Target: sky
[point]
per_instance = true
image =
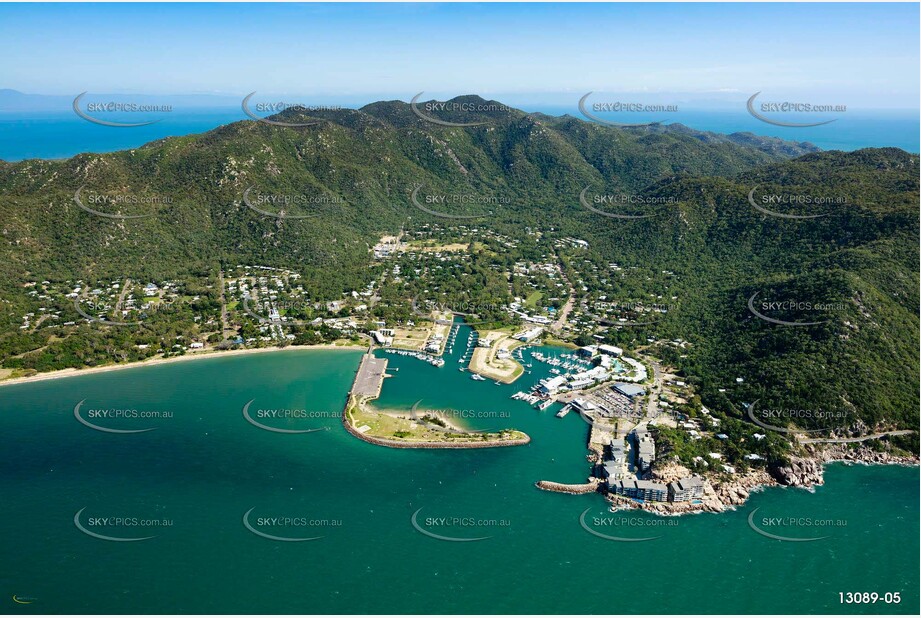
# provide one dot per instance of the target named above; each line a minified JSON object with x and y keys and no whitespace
{"x":861,"y":55}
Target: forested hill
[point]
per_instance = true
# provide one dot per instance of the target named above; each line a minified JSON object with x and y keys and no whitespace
{"x":370,"y":159}
{"x":706,"y":199}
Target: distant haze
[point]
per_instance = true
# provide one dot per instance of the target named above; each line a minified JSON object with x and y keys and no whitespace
{"x":701,"y":55}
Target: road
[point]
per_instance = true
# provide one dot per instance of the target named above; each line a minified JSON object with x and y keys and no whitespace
{"x":225,"y":329}
{"x":901,"y":432}
{"x":563,"y":315}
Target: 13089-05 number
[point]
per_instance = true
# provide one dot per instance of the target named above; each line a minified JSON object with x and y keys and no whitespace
{"x":852,"y":598}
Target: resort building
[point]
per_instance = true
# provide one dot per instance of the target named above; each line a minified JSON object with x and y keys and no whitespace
{"x":550,"y":386}
{"x":685,"y":489}
{"x":646,"y":452}
{"x":610,"y":350}
{"x":641,"y":490}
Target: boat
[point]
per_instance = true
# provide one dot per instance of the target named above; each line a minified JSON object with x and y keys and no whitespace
{"x":564,"y":411}
{"x":478,"y":377}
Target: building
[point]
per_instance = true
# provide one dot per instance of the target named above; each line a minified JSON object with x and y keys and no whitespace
{"x":645,"y":452}
{"x":550,"y":386}
{"x":682,"y":490}
{"x":530,"y":334}
{"x":383,"y":336}
{"x":629,"y":390}
{"x":582,"y":405}
{"x":616,"y":466}
{"x":610,"y":350}
{"x":588,"y":351}
{"x":642,"y":490}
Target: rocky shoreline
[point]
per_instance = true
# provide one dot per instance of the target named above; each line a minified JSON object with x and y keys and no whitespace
{"x":722,"y":495}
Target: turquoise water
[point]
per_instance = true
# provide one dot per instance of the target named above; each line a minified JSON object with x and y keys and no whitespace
{"x":60,"y":134}
{"x":205,"y":466}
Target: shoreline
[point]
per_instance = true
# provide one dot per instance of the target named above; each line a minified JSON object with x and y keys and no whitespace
{"x":159,"y":360}
{"x":731,"y":495}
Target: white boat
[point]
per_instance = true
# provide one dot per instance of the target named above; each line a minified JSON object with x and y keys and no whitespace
{"x":478,"y":377}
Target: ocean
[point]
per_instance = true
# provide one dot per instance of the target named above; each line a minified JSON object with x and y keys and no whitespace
{"x":205,"y":482}
{"x":62,"y":134}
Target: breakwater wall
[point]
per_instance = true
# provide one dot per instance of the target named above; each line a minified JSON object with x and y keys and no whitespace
{"x":565,"y":488}
{"x":429,"y":445}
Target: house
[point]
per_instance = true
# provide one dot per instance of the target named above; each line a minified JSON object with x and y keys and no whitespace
{"x":196,"y":345}
{"x":682,"y":490}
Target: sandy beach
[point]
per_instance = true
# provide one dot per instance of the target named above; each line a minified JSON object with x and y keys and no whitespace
{"x":68,"y":373}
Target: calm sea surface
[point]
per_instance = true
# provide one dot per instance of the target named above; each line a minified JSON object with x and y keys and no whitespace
{"x":61,"y":134}
{"x":190,"y":483}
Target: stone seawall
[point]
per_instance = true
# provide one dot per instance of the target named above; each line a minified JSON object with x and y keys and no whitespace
{"x":563,"y":488}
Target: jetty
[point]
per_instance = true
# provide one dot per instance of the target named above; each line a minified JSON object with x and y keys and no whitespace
{"x":370,"y":377}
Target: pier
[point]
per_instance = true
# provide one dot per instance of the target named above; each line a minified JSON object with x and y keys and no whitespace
{"x":370,"y":377}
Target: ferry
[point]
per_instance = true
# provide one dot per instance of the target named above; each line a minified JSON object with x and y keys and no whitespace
{"x":564,"y":411}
